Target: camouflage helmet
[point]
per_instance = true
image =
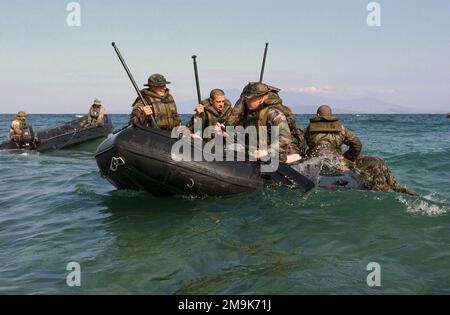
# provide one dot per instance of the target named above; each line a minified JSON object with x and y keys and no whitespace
{"x":97,"y":102}
{"x":255,"y":89}
{"x":157,"y":80}
{"x":21,"y":114}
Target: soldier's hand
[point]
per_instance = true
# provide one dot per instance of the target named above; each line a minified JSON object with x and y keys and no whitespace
{"x":344,"y":163}
{"x":260,"y":153}
{"x":219,"y":127}
{"x":195,"y":136}
{"x":220,"y":130}
{"x":147,"y":110}
{"x":199,"y":109}
{"x":292,"y":158}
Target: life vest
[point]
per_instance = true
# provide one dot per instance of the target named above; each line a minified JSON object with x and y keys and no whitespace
{"x":277,"y":103}
{"x":257,"y":118}
{"x":212,"y":116}
{"x":164,"y":109}
{"x":95,"y":113}
{"x":274,"y":101}
{"x":21,"y":127}
{"x":324,"y":136}
{"x":325,"y":124}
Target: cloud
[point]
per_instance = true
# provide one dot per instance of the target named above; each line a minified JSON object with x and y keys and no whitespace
{"x":345,"y":92}
{"x":309,"y":90}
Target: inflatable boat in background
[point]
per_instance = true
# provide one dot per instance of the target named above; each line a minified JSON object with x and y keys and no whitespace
{"x":67,"y":135}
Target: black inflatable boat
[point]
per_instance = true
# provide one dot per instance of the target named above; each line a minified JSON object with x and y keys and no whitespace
{"x":139,"y":158}
{"x":64,"y":136}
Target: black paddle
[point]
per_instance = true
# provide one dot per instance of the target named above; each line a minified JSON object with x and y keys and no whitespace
{"x":134,"y":83}
{"x":284,"y":173}
{"x":290,"y":177}
{"x":263,"y":64}
{"x":197,"y":84}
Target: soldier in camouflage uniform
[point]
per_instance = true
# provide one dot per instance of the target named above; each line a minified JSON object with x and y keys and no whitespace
{"x":262,"y":110}
{"x":325,"y":135}
{"x":17,"y":126}
{"x":21,"y":133}
{"x":96,"y":115}
{"x":160,"y":104}
{"x":298,"y":143}
{"x":216,"y":109}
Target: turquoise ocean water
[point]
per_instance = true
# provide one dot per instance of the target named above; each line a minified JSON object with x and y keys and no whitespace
{"x":55,"y":209}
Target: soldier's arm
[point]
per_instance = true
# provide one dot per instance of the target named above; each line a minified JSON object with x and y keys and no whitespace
{"x":138,"y":103}
{"x":232,"y":119}
{"x":236,"y":112}
{"x":177,"y":118}
{"x":296,"y":131}
{"x":307,"y":143}
{"x":16,"y":128}
{"x":137,"y":116}
{"x":190,"y":124}
{"x":301,"y":141}
{"x":277,"y":118}
{"x":354,"y":144}
{"x":101,"y":114}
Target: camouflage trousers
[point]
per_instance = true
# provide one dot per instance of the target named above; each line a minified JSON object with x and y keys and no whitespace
{"x":378,"y":177}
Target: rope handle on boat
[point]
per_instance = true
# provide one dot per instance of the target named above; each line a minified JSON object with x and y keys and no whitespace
{"x":68,"y":141}
{"x":116,"y":162}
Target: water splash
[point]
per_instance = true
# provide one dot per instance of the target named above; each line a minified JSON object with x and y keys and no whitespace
{"x":428,"y":205}
{"x":317,"y":166}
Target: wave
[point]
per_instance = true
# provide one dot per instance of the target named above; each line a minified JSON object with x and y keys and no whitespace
{"x":428,"y":205}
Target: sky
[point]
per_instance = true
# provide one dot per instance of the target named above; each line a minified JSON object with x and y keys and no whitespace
{"x":319,"y":50}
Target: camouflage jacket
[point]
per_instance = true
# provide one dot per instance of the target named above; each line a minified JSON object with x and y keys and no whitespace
{"x":96,"y":115}
{"x":298,"y":143}
{"x":212,"y":116}
{"x":16,"y":128}
{"x":164,"y":111}
{"x":269,"y":116}
{"x":326,"y":135}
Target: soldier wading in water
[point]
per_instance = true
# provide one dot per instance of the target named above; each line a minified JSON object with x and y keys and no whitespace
{"x":325,"y":135}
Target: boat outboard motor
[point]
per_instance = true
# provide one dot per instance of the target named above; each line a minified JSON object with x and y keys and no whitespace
{"x":28,"y":139}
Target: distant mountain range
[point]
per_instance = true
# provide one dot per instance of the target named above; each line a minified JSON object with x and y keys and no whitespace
{"x":308,"y":103}
{"x":305,"y":103}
